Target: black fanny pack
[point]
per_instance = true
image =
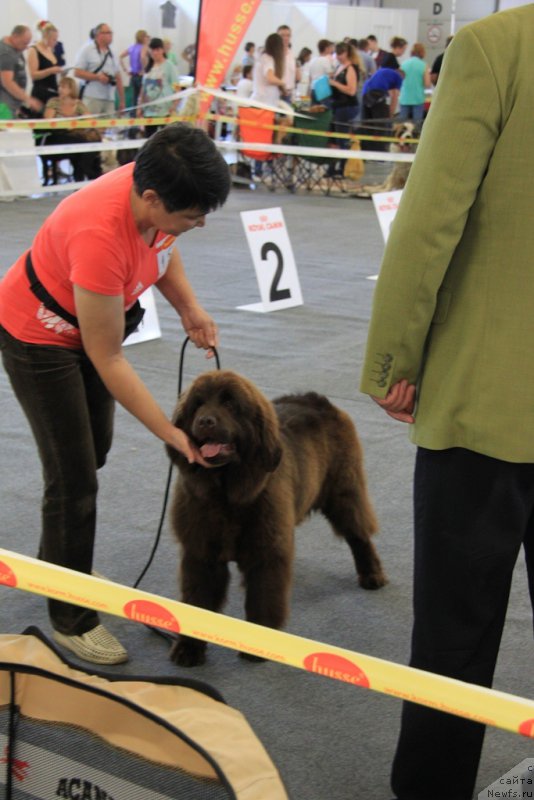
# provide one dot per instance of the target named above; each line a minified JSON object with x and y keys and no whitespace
{"x":132,"y":318}
{"x":373,"y":97}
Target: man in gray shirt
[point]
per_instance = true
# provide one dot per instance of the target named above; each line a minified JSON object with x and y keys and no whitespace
{"x":98,"y":67}
{"x":13,"y":79}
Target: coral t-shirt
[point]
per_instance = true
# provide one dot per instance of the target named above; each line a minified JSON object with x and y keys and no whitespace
{"x":90,"y":240}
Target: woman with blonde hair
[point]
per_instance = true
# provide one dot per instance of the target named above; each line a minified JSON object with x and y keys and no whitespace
{"x":68,"y":104}
{"x":416,"y":80}
{"x":137,"y":61}
{"x":43,"y":64}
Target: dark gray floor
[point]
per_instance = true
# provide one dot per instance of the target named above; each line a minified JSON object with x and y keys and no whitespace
{"x":329,"y":740}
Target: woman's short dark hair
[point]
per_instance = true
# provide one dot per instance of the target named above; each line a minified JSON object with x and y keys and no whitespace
{"x":155,"y":44}
{"x":185,"y":169}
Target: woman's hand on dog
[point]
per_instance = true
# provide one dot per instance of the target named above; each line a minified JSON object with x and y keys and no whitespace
{"x":181,"y":442}
{"x":399,"y":402}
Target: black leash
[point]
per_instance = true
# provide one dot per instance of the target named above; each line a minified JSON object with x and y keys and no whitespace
{"x":169,"y":476}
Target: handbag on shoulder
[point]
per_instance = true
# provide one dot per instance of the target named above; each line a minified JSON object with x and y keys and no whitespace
{"x":321,"y":88}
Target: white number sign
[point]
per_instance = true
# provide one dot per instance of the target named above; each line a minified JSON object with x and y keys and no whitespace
{"x":275,"y":266}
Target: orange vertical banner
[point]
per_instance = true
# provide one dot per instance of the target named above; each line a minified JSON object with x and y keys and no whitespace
{"x":222,"y":26}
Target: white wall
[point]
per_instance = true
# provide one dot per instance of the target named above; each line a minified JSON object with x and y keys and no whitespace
{"x":75,"y":18}
{"x":443,"y":22}
{"x":313,"y":21}
{"x":310,"y":20}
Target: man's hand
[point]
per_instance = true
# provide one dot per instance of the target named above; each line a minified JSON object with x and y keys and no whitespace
{"x":34,"y":104}
{"x":399,"y":402}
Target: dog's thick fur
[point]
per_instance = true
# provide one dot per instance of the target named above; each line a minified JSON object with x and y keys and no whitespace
{"x":271,"y":465}
{"x":401,"y":169}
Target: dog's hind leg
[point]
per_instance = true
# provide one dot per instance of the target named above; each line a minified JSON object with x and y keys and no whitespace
{"x":345,"y":520}
{"x":204,"y":584}
{"x":348,"y":509}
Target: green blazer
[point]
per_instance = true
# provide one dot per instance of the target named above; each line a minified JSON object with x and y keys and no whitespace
{"x":454,"y":303}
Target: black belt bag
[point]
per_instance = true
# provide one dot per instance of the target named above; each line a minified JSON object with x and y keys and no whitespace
{"x":374,"y":97}
{"x":132,"y":318}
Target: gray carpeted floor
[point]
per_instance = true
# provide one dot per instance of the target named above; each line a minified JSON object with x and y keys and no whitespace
{"x":329,"y":740}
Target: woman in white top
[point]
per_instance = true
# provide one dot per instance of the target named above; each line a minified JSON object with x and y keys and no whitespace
{"x":268,"y":72}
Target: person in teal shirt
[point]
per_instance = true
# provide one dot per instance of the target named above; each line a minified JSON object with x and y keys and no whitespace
{"x":416,"y":80}
{"x":159,"y":81}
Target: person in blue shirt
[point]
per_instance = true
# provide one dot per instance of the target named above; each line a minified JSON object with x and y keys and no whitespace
{"x":380,"y":96}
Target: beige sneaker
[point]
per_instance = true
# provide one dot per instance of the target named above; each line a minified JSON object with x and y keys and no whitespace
{"x":98,"y":646}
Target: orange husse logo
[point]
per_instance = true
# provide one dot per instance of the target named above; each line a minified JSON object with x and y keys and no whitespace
{"x":527,"y":728}
{"x":151,"y":614}
{"x":7,"y":576}
{"x":337,"y":667}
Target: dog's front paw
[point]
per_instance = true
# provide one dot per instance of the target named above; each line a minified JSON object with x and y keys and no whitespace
{"x":374,"y":580}
{"x":250,"y":657}
{"x":188,"y":652}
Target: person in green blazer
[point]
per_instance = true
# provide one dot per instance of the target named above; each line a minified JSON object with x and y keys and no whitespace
{"x":449,"y":352}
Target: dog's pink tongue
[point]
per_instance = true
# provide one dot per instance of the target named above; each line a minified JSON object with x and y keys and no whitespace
{"x":210,"y":450}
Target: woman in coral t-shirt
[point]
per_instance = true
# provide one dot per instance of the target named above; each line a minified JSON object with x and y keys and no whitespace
{"x":62,"y":323}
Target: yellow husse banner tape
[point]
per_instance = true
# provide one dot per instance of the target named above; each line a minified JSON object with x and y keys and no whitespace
{"x":488,"y":706}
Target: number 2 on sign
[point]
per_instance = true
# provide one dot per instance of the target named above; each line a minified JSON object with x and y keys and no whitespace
{"x":275,"y":293}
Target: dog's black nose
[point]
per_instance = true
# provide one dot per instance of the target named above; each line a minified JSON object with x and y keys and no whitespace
{"x":206,"y":421}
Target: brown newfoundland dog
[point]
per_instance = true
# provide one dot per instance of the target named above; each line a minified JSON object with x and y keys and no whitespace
{"x":271,"y":464}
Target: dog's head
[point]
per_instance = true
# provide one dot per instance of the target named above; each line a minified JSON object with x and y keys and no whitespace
{"x":404,"y":132}
{"x":230,"y":421}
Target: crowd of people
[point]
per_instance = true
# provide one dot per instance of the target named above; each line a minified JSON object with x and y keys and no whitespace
{"x":96,"y":85}
{"x":355,"y":78}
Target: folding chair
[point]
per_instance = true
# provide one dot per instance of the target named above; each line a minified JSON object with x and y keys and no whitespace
{"x":312,"y":171}
{"x":254,"y":129}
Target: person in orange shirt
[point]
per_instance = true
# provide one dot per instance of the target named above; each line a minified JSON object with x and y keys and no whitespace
{"x":65,"y":307}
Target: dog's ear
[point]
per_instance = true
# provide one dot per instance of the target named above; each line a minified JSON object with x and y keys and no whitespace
{"x":177,"y":420}
{"x":270,"y":448}
{"x":271,"y":457}
{"x":177,"y":417}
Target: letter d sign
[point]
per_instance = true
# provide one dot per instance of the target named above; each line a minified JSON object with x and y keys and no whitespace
{"x":437,"y":8}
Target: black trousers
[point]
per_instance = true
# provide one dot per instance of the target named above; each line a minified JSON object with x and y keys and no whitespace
{"x":84,"y":165}
{"x":70,"y":412}
{"x":471,"y":515}
{"x":380,"y":112}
